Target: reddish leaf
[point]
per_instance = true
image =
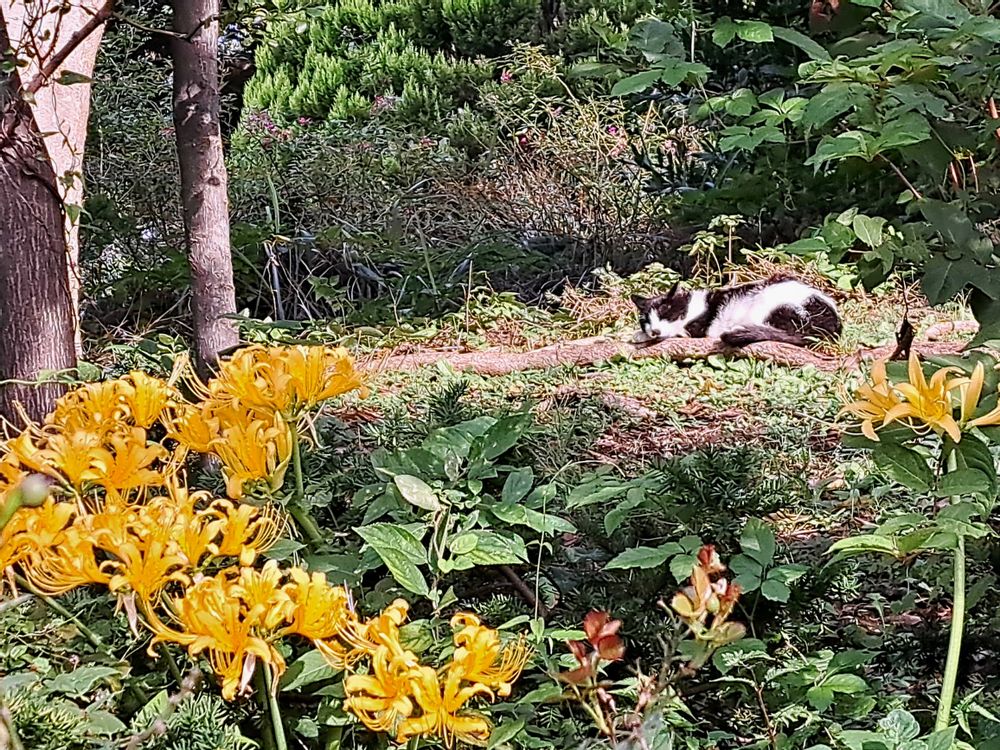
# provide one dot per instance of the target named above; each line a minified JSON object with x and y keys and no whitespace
{"x":611,"y":648}
{"x":593,"y":623}
{"x":579,"y":649}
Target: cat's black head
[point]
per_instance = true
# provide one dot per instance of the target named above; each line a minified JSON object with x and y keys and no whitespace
{"x":656,"y":313}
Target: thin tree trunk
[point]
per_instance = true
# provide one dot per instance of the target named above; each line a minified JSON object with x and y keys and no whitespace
{"x":37,"y":323}
{"x":204,"y":185}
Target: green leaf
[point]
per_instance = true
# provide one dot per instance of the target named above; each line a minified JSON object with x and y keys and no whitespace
{"x":462,"y":544}
{"x":746,"y":565}
{"x":724,"y":31}
{"x":900,"y":726}
{"x":81,"y":680}
{"x":518,"y":485}
{"x":401,"y":552}
{"x":104,"y":723}
{"x":819,"y":697}
{"x":845,"y":683}
{"x":754,"y":31}
{"x":681,"y":567}
{"x":942,"y":740}
{"x":974,"y":454}
{"x":504,"y":732}
{"x":635,"y":497}
{"x":543,"y":523}
{"x":652,"y":35}
{"x":775,"y":590}
{"x":863,"y":543}
{"x":592,"y":70}
{"x":904,"y":465}
{"x":644,"y":557}
{"x":308,"y":669}
{"x":944,"y":278}
{"x":417,"y":492}
{"x":502,"y":436}
{"x":68,"y":78}
{"x":833,"y":100}
{"x":633,"y":84}
{"x":964,"y":482}
{"x":845,"y":146}
{"x":757,"y":541}
{"x":788,"y":573}
{"x":796,"y":38}
{"x":869,"y":229}
{"x":492,"y":549}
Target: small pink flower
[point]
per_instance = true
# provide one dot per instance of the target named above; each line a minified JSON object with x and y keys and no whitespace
{"x":506,"y":77}
{"x":426,"y":142}
{"x":303,"y":121}
{"x":612,"y":130}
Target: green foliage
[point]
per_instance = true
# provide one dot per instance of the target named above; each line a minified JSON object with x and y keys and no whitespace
{"x":454,"y":506}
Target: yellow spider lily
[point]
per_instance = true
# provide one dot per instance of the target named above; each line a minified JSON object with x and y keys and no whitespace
{"x":247,"y":531}
{"x":441,"y":705}
{"x":320,"y":611}
{"x":127,"y":465}
{"x":481,"y":659}
{"x":926,"y":402}
{"x":213,"y":618}
{"x":66,"y":566}
{"x":970,"y":394}
{"x":194,"y":427}
{"x":95,"y":407}
{"x":267,"y":603}
{"x":146,"y":397}
{"x":254,"y":451}
{"x":874,"y":400}
{"x":144,"y":566}
{"x":382,"y":699}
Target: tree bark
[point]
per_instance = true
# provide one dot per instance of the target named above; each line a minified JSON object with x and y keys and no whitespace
{"x":43,"y":127}
{"x":204,"y":183}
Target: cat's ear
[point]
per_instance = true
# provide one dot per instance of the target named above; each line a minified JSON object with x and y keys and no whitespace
{"x":641,"y":302}
{"x":673,"y":290}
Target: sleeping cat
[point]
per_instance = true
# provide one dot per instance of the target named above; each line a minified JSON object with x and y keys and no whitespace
{"x":780,"y":308}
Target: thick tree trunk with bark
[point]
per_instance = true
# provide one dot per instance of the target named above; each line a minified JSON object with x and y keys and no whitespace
{"x":43,"y":126}
{"x":204,"y":184}
{"x":37,"y":325}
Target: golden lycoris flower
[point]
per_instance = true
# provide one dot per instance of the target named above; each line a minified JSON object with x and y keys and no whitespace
{"x":114,"y":509}
{"x":286,"y":380}
{"x":407,"y":699}
{"x":921,"y":404}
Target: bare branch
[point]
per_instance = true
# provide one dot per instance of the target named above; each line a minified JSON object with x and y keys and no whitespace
{"x":52,"y":64}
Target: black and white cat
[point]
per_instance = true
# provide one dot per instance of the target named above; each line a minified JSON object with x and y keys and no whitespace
{"x":780,"y":308}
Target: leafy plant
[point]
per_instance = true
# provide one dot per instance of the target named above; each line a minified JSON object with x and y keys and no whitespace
{"x":455,"y":506}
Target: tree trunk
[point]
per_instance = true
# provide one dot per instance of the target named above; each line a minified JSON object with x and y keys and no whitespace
{"x":37,"y":325}
{"x":43,"y":126}
{"x":204,"y":185}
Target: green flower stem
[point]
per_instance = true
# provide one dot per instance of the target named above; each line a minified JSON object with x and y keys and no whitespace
{"x":954,"y":641}
{"x":93,"y":638}
{"x":171,"y":664}
{"x":48,"y":601}
{"x":266,"y":737}
{"x":957,"y":627}
{"x":305,"y":522}
{"x":274,"y":709}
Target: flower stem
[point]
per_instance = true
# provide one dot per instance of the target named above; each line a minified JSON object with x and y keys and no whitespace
{"x":48,"y":601}
{"x":954,"y":641}
{"x":171,"y":664}
{"x":957,"y":626}
{"x":273,"y":709}
{"x":305,"y":522}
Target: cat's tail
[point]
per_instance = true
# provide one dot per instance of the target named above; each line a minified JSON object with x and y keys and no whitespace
{"x":746,"y":335}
